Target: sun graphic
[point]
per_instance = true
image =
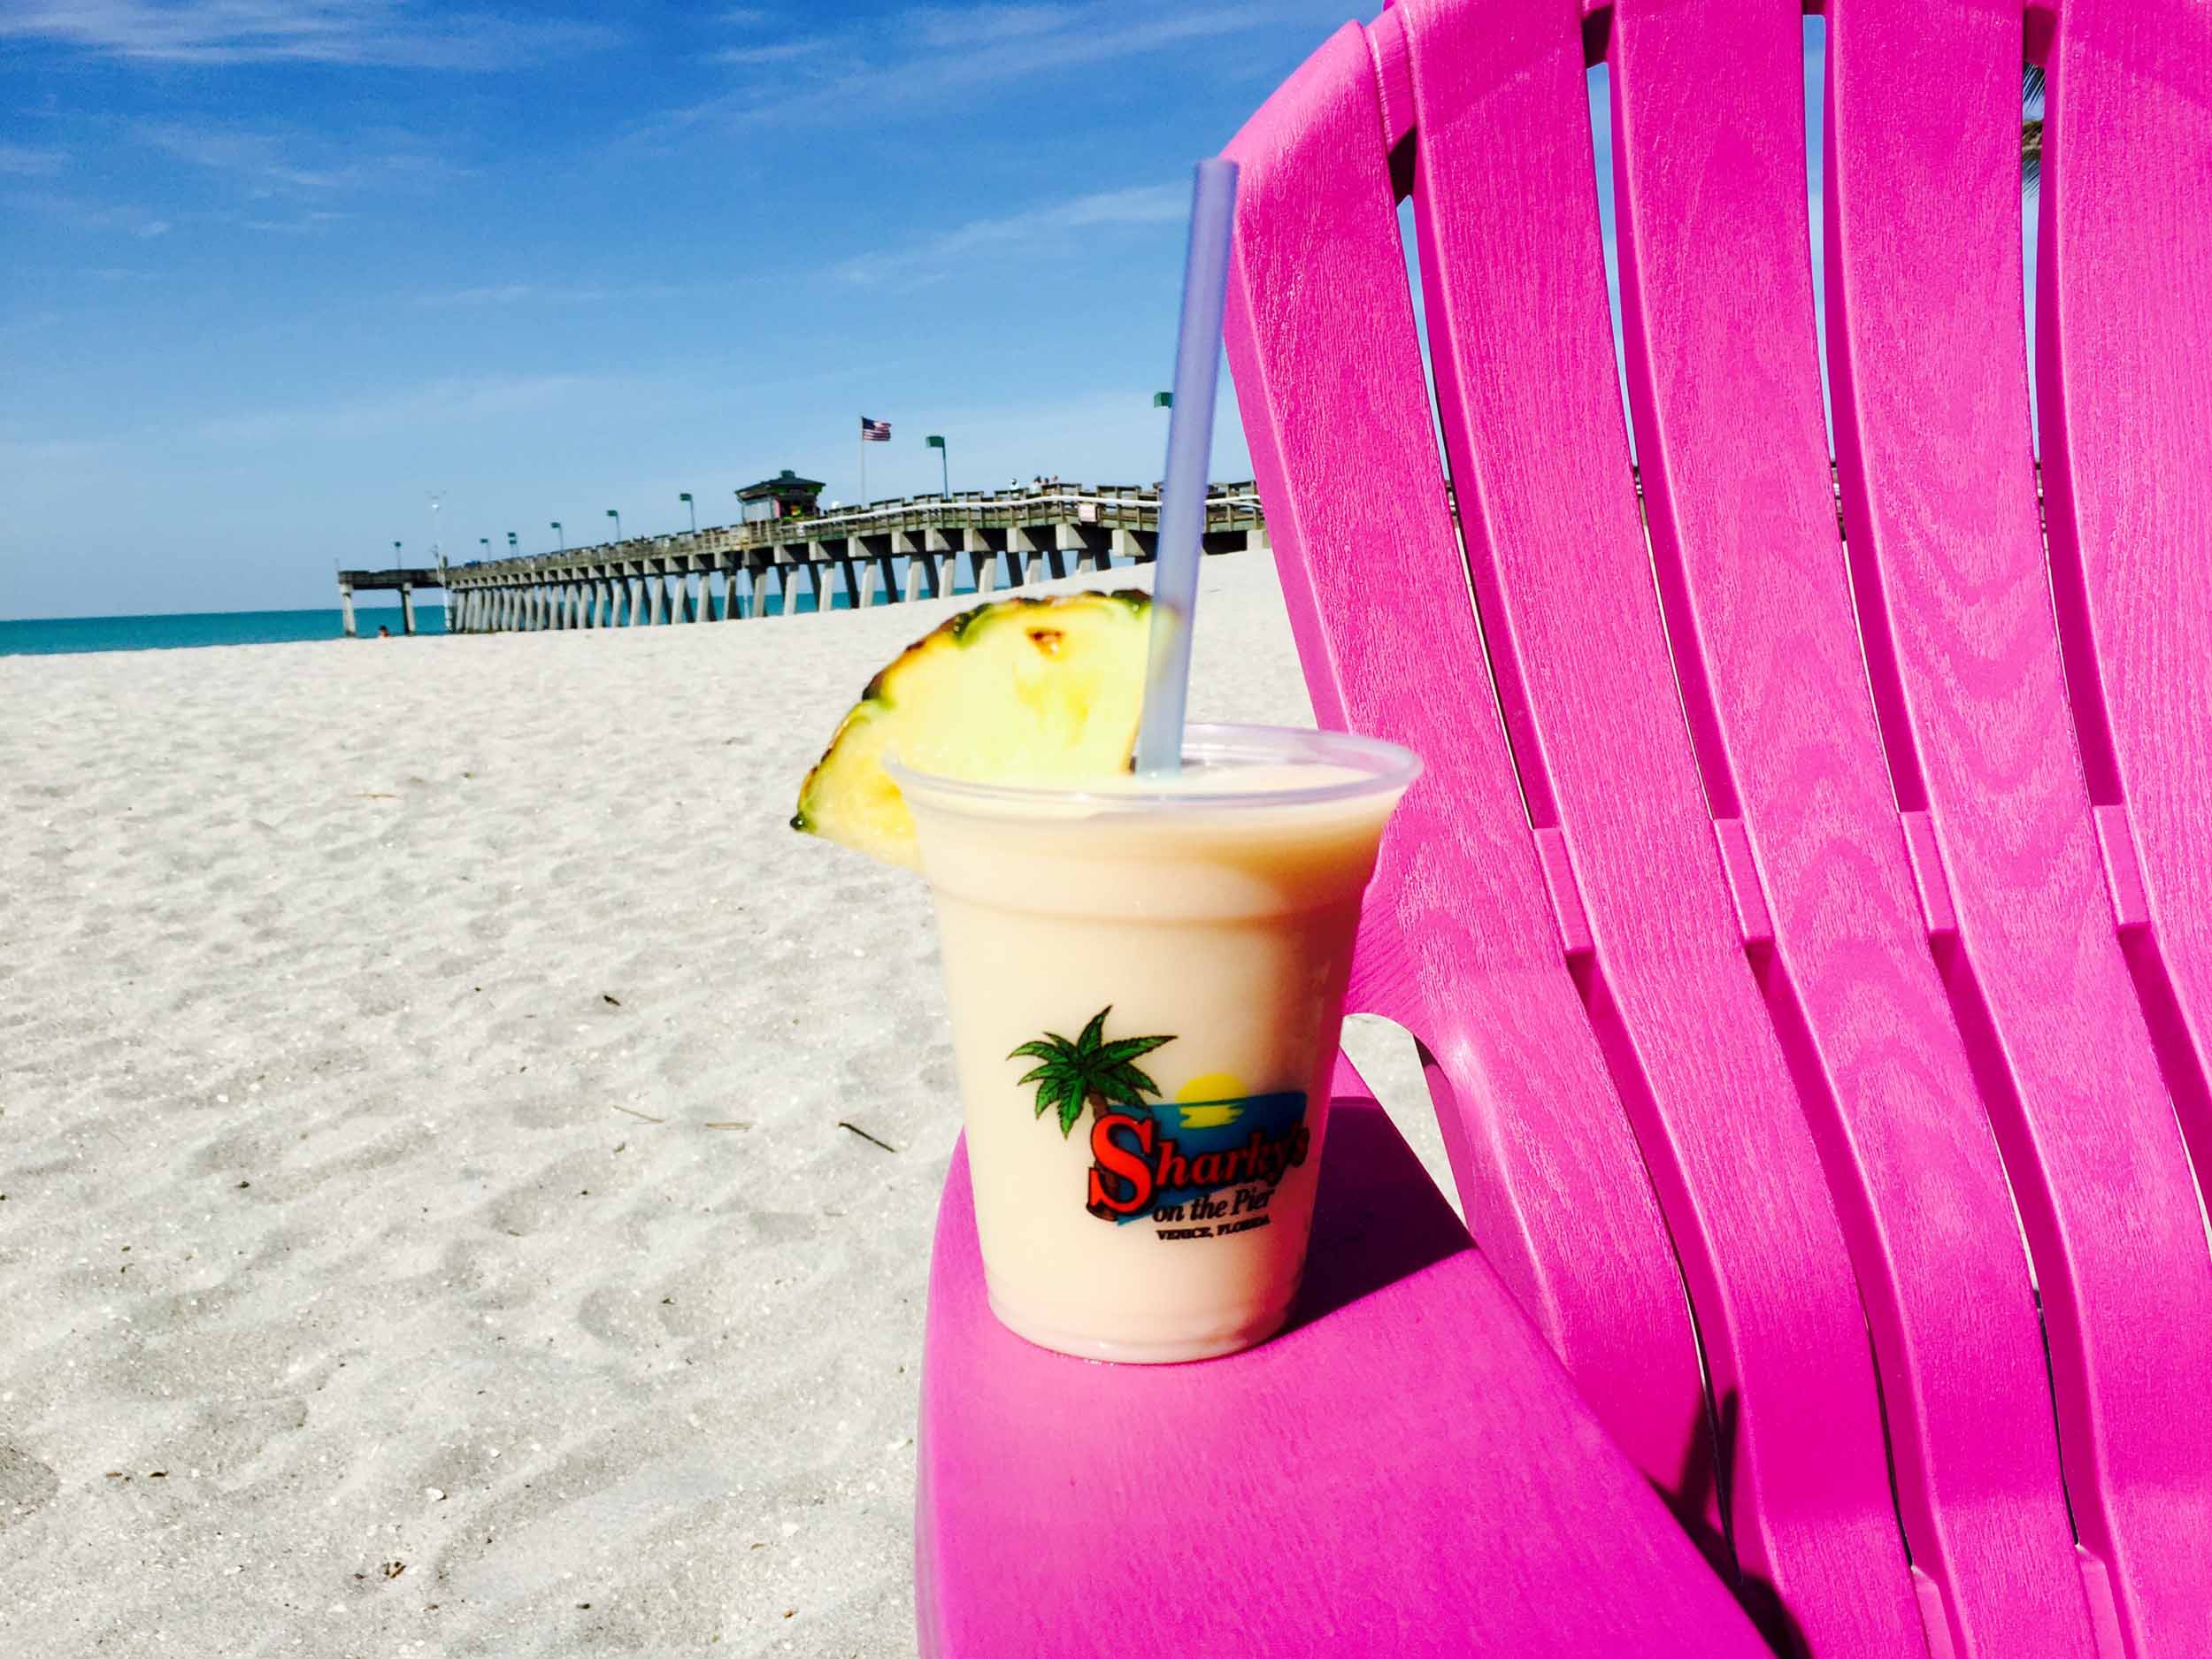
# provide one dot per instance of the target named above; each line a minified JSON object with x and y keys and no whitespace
{"x":1217,"y":1095}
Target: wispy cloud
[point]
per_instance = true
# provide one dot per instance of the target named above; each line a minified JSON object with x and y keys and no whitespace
{"x":28,"y":161}
{"x":745,"y":16}
{"x":977,"y":25}
{"x":302,"y":225}
{"x":448,"y":402}
{"x":775,"y":52}
{"x":31,"y":323}
{"x":911,"y":56}
{"x":1085,"y":34}
{"x":126,"y":216}
{"x":556,"y":294}
{"x":498,"y":293}
{"x":30,"y":457}
{"x":260,"y":155}
{"x":136,"y":221}
{"x":514,"y":294}
{"x":1143,"y":204}
{"x":280,"y":162}
{"x":368,"y":33}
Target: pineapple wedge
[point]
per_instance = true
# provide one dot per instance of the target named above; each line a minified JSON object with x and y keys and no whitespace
{"x":1042,"y":691}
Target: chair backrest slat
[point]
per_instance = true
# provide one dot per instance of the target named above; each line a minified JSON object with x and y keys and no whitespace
{"x":1849,"y":907}
{"x":1928,"y":367}
{"x":1513,"y":276}
{"x":2126,"y":375}
{"x":1708,"y":131}
{"x":1460,"y":944}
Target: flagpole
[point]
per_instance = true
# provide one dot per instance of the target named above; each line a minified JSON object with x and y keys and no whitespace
{"x":864,"y":463}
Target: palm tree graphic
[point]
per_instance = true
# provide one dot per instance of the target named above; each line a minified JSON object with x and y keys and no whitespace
{"x":1089,"y":1069}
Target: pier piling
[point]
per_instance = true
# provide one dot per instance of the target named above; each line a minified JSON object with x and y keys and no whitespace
{"x":888,"y":553}
{"x":403,"y":580}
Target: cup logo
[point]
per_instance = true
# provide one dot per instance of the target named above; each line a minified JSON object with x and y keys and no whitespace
{"x":1165,"y":1160}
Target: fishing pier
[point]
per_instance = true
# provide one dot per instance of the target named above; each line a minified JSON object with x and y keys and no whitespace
{"x":405,"y":580}
{"x":888,"y":552}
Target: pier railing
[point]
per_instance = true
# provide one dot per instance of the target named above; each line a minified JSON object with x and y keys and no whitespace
{"x":884,"y":552}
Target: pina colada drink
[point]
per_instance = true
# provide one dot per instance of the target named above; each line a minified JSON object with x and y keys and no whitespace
{"x":1147,"y":977}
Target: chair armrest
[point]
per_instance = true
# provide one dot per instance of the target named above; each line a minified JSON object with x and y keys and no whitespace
{"x":1406,"y":1471}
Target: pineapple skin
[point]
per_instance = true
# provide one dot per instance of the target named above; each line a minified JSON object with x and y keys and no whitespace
{"x":1053,"y":699}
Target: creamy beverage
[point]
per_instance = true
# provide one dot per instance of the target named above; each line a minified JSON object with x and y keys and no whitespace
{"x":1147,"y":977}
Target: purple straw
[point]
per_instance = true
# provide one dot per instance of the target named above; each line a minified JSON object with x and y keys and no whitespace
{"x":1190,"y":432}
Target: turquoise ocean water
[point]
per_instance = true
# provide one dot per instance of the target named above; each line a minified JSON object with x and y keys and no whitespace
{"x":57,"y":635}
{"x":53,"y":635}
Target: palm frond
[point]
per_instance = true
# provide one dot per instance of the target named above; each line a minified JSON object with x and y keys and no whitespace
{"x":1051,"y":1092}
{"x":1069,"y":1074}
{"x":1129,"y":1048}
{"x":1114,"y":1089}
{"x":1131,"y":1077}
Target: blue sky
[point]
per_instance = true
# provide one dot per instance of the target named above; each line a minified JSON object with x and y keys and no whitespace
{"x":279,"y":269}
{"x":276,"y":269}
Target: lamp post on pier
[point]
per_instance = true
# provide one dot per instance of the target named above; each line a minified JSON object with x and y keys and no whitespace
{"x":935,"y":440}
{"x":485,"y":542}
{"x":560,"y":535}
{"x":513,"y":545}
{"x":406,"y":607}
{"x":616,"y":517}
{"x":685,"y":498}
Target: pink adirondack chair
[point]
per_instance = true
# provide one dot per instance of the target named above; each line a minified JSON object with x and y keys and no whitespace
{"x":1811,"y":947}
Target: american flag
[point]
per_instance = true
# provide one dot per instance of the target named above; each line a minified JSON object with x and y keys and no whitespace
{"x":874,"y":431}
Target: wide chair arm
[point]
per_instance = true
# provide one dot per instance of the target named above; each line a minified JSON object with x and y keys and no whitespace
{"x":1406,"y":1472}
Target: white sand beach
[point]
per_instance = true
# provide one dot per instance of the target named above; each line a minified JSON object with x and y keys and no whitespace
{"x":427,"y":1227}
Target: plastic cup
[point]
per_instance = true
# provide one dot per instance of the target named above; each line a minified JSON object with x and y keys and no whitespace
{"x":1147,"y":982}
